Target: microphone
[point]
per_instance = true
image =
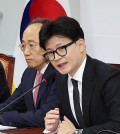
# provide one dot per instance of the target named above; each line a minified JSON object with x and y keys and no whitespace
{"x":46,"y":79}
{"x":107,"y":132}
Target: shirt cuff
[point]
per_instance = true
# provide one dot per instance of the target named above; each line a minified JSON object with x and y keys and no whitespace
{"x":49,"y":132}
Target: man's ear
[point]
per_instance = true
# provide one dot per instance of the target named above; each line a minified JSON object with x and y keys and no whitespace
{"x":81,"y":43}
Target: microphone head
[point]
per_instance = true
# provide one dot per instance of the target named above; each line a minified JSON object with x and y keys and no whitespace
{"x":49,"y":77}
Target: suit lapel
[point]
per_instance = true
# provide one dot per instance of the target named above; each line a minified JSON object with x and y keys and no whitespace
{"x":42,"y":89}
{"x":87,"y":88}
{"x":30,"y":84}
{"x":43,"y":86}
{"x":65,"y":95}
{"x":64,"y":98}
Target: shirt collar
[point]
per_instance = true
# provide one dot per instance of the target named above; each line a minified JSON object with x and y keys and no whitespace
{"x":43,"y":69}
{"x":79,"y":74}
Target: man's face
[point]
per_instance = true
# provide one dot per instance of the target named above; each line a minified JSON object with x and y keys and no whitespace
{"x":69,"y":63}
{"x":31,"y":49}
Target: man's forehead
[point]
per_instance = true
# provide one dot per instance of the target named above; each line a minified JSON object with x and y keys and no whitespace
{"x":32,"y":31}
{"x":35,"y":25}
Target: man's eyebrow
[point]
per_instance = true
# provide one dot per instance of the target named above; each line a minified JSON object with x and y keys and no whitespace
{"x":57,"y":46}
{"x":32,"y":41}
{"x":49,"y":49}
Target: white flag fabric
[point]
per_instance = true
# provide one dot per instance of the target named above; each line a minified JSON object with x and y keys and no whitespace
{"x":20,"y":63}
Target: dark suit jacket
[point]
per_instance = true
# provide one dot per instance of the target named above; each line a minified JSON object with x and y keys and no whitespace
{"x":4,"y":89}
{"x":100,"y":97}
{"x":23,"y":113}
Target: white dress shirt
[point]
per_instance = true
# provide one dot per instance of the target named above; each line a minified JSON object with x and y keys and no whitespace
{"x":78,"y":77}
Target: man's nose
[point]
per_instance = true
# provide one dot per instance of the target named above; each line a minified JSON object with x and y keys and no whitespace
{"x":26,"y":51}
{"x":57,"y":57}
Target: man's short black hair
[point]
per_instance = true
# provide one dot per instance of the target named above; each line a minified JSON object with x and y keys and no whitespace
{"x":62,"y":26}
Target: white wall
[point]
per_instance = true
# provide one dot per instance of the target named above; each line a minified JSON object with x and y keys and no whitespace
{"x":9,"y":24}
{"x":100,"y":20}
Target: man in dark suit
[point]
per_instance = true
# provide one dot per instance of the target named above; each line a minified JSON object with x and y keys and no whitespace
{"x":89,"y":94}
{"x":4,"y":89}
{"x":27,"y":111}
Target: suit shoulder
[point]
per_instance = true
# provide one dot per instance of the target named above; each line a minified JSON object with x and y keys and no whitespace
{"x":105,"y":69}
{"x":29,"y":72}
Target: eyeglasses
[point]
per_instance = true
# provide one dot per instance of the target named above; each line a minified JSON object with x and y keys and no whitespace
{"x":30,"y":46}
{"x":61,"y":51}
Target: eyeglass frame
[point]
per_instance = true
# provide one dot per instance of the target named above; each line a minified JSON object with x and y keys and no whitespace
{"x":36,"y":44}
{"x":55,"y":51}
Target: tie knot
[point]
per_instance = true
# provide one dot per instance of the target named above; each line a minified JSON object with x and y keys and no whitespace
{"x":74,"y":82}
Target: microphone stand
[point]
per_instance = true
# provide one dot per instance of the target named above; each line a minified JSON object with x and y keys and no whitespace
{"x":21,"y":96}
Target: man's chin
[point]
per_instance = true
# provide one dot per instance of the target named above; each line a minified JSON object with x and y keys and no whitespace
{"x":30,"y":66}
{"x":63,"y":72}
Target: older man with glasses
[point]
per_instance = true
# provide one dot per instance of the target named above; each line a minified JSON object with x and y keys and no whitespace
{"x":31,"y":107}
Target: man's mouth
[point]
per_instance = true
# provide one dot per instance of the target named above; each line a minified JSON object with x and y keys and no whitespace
{"x":62,"y":65}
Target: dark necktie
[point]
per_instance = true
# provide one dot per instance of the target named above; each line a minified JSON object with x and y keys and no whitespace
{"x":76,"y":100}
